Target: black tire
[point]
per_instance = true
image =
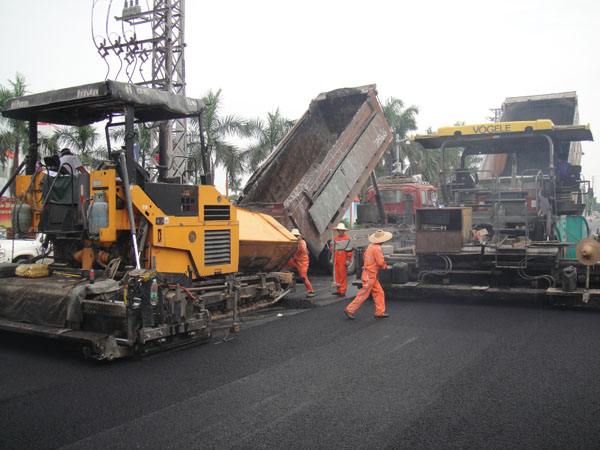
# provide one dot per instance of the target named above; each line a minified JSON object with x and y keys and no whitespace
{"x":352,"y":266}
{"x":7,"y":270}
{"x":23,"y":259}
{"x":326,"y":262}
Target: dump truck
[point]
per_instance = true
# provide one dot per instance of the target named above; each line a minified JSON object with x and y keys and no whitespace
{"x":560,"y":108}
{"x":140,"y":264}
{"x":497,"y":238}
{"x":400,"y":195}
{"x":311,"y":178}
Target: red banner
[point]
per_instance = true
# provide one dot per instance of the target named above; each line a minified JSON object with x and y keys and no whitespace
{"x":6,"y":208}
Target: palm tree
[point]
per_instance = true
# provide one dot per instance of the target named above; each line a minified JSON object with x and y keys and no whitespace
{"x":217,"y":129}
{"x":231,"y":159}
{"x":49,"y":144}
{"x":402,"y":120}
{"x":268,"y":135}
{"x":144,"y":140}
{"x":428,"y":162}
{"x":82,"y":140}
{"x":422,"y":161}
{"x":13,"y":133}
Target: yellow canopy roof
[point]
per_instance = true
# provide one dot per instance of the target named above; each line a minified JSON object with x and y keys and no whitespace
{"x":497,"y":130}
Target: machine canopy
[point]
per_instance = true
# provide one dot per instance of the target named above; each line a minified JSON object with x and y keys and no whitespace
{"x":89,"y":103}
{"x":464,"y":135}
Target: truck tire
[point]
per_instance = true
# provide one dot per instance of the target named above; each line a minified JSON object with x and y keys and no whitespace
{"x":352,"y":266}
{"x":326,"y":262}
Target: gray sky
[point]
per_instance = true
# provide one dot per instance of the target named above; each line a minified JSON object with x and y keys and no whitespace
{"x":453,"y":59}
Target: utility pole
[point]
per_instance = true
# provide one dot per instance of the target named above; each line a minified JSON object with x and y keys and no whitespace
{"x":496,"y":114}
{"x":165,"y":48}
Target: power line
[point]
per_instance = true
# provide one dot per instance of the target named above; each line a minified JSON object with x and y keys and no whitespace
{"x":160,"y":45}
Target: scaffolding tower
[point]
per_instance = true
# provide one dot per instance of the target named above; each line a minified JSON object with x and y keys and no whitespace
{"x":164,"y":46}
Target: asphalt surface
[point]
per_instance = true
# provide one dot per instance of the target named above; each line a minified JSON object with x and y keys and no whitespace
{"x":435,"y":375}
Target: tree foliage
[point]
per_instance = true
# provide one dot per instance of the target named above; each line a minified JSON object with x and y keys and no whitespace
{"x":218,"y":130}
{"x":13,"y":133}
{"x":414,"y":158}
{"x":144,"y":140}
{"x":267,"y":135}
{"x":83,"y":141}
{"x":402,"y":120}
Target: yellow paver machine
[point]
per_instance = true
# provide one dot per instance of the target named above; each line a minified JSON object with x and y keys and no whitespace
{"x":140,"y":262}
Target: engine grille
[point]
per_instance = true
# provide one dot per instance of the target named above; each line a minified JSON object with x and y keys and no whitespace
{"x":217,"y":247}
{"x":216,"y":212}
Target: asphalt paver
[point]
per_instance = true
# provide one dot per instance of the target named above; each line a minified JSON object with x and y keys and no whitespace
{"x":436,"y":374}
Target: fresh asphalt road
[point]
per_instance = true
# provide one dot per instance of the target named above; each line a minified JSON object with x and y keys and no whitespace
{"x":436,"y":374}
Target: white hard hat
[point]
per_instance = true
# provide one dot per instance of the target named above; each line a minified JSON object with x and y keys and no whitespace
{"x":341,"y":226}
{"x":295,"y":232}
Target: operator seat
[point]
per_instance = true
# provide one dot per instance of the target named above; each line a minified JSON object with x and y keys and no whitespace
{"x":63,"y":212}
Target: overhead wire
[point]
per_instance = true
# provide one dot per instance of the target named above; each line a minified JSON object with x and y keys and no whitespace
{"x":127,"y":55}
{"x":96,"y":43}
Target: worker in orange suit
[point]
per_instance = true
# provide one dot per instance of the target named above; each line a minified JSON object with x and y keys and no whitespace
{"x":373,"y":262}
{"x":342,"y":257}
{"x":300,"y":262}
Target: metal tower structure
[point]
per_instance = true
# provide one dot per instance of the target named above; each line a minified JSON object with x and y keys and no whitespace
{"x":162,"y":43}
{"x":496,"y":115}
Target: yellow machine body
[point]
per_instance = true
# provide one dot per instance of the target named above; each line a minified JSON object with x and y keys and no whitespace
{"x":177,"y":244}
{"x":137,"y":265}
{"x":496,"y":127}
{"x":495,"y":131}
{"x":29,"y":190}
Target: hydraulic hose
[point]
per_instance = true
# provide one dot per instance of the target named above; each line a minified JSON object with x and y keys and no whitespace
{"x":126,"y":187}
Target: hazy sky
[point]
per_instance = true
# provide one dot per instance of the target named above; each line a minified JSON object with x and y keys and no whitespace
{"x":453,"y":59}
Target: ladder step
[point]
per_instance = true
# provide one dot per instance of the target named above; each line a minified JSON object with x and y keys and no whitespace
{"x":512,"y":200}
{"x":510,"y":266}
{"x":513,"y":231}
{"x":511,"y":250}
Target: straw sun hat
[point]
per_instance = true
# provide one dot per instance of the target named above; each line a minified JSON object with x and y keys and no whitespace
{"x":380,"y":236}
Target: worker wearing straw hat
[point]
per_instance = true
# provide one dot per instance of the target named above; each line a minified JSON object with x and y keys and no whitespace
{"x":342,"y":257}
{"x":373,"y":262}
{"x":300,"y":262}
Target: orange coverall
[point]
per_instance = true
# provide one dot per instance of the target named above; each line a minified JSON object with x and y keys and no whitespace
{"x":300,"y":262}
{"x":373,"y":261}
{"x":340,"y":258}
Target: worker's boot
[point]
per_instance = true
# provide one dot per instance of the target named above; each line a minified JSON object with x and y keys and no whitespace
{"x":383,"y":316}
{"x":310,"y":295}
{"x":349,"y":316}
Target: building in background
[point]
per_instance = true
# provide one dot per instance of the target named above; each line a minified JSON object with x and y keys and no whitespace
{"x":6,"y":203}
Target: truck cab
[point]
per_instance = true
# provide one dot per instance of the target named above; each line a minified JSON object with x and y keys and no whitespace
{"x":401,"y":196}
